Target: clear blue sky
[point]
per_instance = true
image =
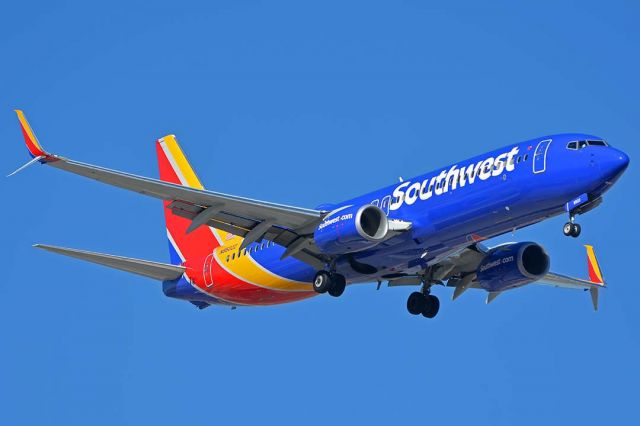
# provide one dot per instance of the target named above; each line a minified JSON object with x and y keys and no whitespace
{"x":305,"y":104}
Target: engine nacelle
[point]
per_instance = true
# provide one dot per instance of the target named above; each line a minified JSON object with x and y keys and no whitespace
{"x":512,"y":265}
{"x":352,"y":229}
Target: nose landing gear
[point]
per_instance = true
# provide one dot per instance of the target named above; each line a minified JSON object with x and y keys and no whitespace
{"x":571,"y":229}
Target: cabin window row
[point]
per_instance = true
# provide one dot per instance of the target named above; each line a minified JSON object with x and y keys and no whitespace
{"x":251,"y":249}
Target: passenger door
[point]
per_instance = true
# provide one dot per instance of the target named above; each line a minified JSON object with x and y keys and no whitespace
{"x":540,"y":156}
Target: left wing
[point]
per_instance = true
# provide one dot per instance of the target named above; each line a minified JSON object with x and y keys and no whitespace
{"x":286,"y":225}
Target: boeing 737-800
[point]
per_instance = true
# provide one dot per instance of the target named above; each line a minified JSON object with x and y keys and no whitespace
{"x":425,"y":231}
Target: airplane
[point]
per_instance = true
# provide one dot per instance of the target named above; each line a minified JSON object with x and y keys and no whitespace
{"x":425,"y":231}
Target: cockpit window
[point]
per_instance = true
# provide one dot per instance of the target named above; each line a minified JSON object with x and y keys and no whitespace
{"x":584,"y":144}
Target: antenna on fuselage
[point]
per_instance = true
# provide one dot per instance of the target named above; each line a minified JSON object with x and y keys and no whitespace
{"x":400,"y":179}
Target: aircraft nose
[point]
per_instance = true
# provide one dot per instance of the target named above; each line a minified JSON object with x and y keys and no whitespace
{"x":624,"y":160}
{"x":615,"y":164}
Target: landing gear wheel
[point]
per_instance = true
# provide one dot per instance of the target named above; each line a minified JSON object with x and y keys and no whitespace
{"x":575,"y":230}
{"x":431,"y":306}
{"x":322,"y":282}
{"x":416,"y":303}
{"x":567,"y":229}
{"x":338,"y":285}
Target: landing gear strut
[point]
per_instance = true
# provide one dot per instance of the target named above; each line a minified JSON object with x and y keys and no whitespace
{"x":422,"y":302}
{"x":571,"y":229}
{"x":327,"y":282}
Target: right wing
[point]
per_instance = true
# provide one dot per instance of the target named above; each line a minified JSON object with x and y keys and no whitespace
{"x":285,"y":225}
{"x":458,"y":269}
{"x":593,"y":284}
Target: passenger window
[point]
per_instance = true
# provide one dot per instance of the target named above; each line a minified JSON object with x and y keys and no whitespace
{"x":525,"y":157}
{"x":572,"y":145}
{"x":519,"y":159}
{"x":233,"y":256}
{"x":227,"y":258}
{"x":244,"y":252}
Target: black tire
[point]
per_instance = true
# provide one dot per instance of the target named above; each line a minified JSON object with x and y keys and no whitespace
{"x":576,"y":229}
{"x":338,"y":285}
{"x":322,"y":282}
{"x":432,"y":306}
{"x":416,"y":303}
{"x":567,"y":229}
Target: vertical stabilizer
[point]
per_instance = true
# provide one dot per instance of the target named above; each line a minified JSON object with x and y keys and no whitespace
{"x":183,"y":242}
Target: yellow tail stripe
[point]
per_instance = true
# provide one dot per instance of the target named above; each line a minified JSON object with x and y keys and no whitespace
{"x":181,"y":162}
{"x":591,"y":255}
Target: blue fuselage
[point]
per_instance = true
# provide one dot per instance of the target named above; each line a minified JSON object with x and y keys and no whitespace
{"x":473,"y":200}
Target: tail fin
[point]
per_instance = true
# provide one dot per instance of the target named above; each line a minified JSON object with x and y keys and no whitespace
{"x":595,"y":274}
{"x":175,"y":168}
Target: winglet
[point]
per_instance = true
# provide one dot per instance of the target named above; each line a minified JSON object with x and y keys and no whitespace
{"x":595,"y":273}
{"x":34,"y":147}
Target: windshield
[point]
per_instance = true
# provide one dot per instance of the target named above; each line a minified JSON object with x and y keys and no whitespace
{"x":584,"y":144}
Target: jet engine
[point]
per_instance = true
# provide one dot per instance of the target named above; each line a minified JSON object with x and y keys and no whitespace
{"x":351,"y":229}
{"x":512,"y":265}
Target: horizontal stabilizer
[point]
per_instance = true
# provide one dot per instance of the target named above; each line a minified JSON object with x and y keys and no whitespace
{"x":146,"y":268}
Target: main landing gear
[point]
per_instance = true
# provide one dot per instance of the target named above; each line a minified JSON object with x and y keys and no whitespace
{"x":327,"y":282}
{"x":571,"y":229}
{"x":421,"y":302}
